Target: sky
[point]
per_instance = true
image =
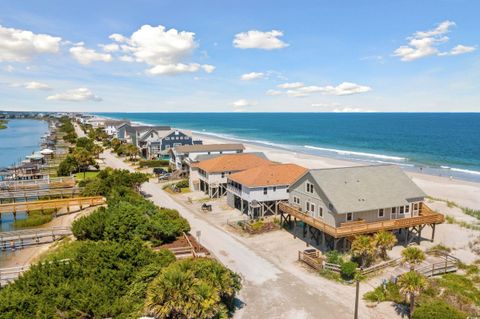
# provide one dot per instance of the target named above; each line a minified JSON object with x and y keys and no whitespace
{"x":240,"y":56}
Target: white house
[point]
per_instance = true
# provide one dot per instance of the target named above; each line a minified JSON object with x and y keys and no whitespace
{"x":212,"y":173}
{"x":258,"y":190}
{"x":182,"y":156}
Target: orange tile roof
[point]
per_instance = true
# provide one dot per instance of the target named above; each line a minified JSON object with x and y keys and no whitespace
{"x":232,"y":163}
{"x":269,"y":175}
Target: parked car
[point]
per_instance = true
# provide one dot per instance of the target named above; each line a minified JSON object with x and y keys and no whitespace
{"x":164,"y":177}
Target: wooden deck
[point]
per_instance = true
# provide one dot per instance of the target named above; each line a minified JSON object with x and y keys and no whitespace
{"x":52,"y":204}
{"x":426,"y":217}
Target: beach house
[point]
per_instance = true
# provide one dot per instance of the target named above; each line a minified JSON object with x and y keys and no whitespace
{"x":128,"y":133}
{"x":258,"y":191}
{"x":339,"y":203}
{"x":154,"y":143}
{"x":110,"y":126}
{"x":210,"y":175}
{"x":182,"y":156}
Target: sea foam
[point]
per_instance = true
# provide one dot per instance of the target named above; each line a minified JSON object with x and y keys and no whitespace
{"x":363,"y":154}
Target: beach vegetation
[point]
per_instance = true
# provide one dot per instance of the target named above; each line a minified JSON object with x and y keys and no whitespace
{"x":110,"y":271}
{"x":154,"y":163}
{"x":411,"y":284}
{"x":3,"y":124}
{"x":413,"y":256}
{"x":202,"y":282}
{"x":384,"y":241}
{"x":348,"y":270}
{"x":68,"y":129}
{"x":35,"y":218}
{"x":363,"y":247}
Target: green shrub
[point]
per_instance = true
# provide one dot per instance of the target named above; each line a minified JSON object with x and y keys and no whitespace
{"x":436,"y":309}
{"x":183,"y":184}
{"x":153,"y":163}
{"x":34,"y":219}
{"x":334,"y":257}
{"x":390,"y":292}
{"x":348,"y":270}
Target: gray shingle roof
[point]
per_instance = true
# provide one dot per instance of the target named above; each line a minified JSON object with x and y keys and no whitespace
{"x":363,"y":188}
{"x":209,"y":148}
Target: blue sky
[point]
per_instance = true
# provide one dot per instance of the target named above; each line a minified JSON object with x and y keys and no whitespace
{"x":186,"y":56}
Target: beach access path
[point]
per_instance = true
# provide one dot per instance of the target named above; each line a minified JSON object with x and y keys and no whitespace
{"x":270,"y":290}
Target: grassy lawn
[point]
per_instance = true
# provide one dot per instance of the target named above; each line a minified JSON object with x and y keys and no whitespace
{"x":79,"y":176}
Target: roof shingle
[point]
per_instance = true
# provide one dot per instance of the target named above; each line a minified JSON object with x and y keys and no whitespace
{"x":232,"y":163}
{"x":269,"y":175}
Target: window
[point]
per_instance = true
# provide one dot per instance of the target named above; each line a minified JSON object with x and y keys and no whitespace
{"x":380,"y":213}
{"x":415,"y":206}
{"x":394,"y":210}
{"x":349,"y":217}
{"x":296,"y":200}
{"x":407,"y":209}
{"x":308,"y":206}
{"x":265,"y":191}
{"x":320,"y":212}
{"x":309,"y":187}
{"x":274,"y":188}
{"x":223,"y":174}
{"x":401,"y":210}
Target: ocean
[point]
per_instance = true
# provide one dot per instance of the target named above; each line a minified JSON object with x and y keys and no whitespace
{"x":20,"y":138}
{"x":445,"y":144}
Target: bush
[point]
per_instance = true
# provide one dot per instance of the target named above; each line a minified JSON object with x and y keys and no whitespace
{"x":348,"y":270}
{"x":183,"y":184}
{"x":68,"y":166}
{"x":35,"y":218}
{"x":193,"y":288}
{"x":436,"y":309}
{"x":153,"y":163}
{"x":391,"y":292}
{"x":334,"y":257}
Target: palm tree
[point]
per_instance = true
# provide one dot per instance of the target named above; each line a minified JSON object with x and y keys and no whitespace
{"x":363,"y":247}
{"x":132,"y":151}
{"x":384,"y":241}
{"x":411,"y":284}
{"x":413,"y":256}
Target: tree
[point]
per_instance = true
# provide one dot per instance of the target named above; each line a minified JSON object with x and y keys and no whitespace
{"x":384,"y":241}
{"x":413,"y":256}
{"x":412,"y":284}
{"x":96,"y":150}
{"x":132,"y":151}
{"x":193,"y":288}
{"x":85,"y":142}
{"x":67,"y":166}
{"x":364,"y":248}
{"x":83,"y":158}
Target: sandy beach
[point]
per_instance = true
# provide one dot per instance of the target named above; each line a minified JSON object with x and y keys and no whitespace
{"x":464,"y":193}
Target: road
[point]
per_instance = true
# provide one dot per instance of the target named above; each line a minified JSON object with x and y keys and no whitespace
{"x":269,"y":290}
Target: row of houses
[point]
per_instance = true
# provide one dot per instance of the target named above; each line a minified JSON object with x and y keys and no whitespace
{"x":335,"y":202}
{"x":152,"y":141}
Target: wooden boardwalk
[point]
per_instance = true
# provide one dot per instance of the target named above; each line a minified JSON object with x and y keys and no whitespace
{"x":18,"y":239}
{"x":52,"y":204}
{"x":26,"y":195}
{"x":17,"y":185}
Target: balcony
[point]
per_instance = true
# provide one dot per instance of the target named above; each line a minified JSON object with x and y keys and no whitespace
{"x":426,"y":217}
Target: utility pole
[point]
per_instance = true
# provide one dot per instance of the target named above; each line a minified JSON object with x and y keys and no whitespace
{"x":357,"y":291}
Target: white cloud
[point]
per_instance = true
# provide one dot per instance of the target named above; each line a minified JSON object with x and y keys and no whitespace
{"x":338,"y":108}
{"x":86,"y":56}
{"x":241,"y":104}
{"x":75,"y":95}
{"x":21,"y":45}
{"x":112,"y":47}
{"x":293,"y":85}
{"x":273,"y":92}
{"x":459,"y":49}
{"x":255,"y":39}
{"x":33,"y":85}
{"x":425,"y":43}
{"x":298,"y":89}
{"x":8,"y":68}
{"x":163,"y":50}
{"x":252,"y":76}
{"x":170,"y":69}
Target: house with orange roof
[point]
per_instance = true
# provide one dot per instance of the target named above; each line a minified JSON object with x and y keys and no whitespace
{"x":212,"y":173}
{"x":257,"y":191}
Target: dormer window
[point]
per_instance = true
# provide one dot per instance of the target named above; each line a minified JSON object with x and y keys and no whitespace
{"x":309,"y":187}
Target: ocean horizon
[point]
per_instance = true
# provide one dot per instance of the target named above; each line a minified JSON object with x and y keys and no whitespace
{"x":446,"y":144}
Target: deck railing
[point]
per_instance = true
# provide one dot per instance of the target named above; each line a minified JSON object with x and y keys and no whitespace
{"x":427,"y":216}
{"x":51,"y":204}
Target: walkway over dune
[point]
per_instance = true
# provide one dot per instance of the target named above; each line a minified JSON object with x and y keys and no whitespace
{"x":32,"y":184}
{"x":52,"y":204}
